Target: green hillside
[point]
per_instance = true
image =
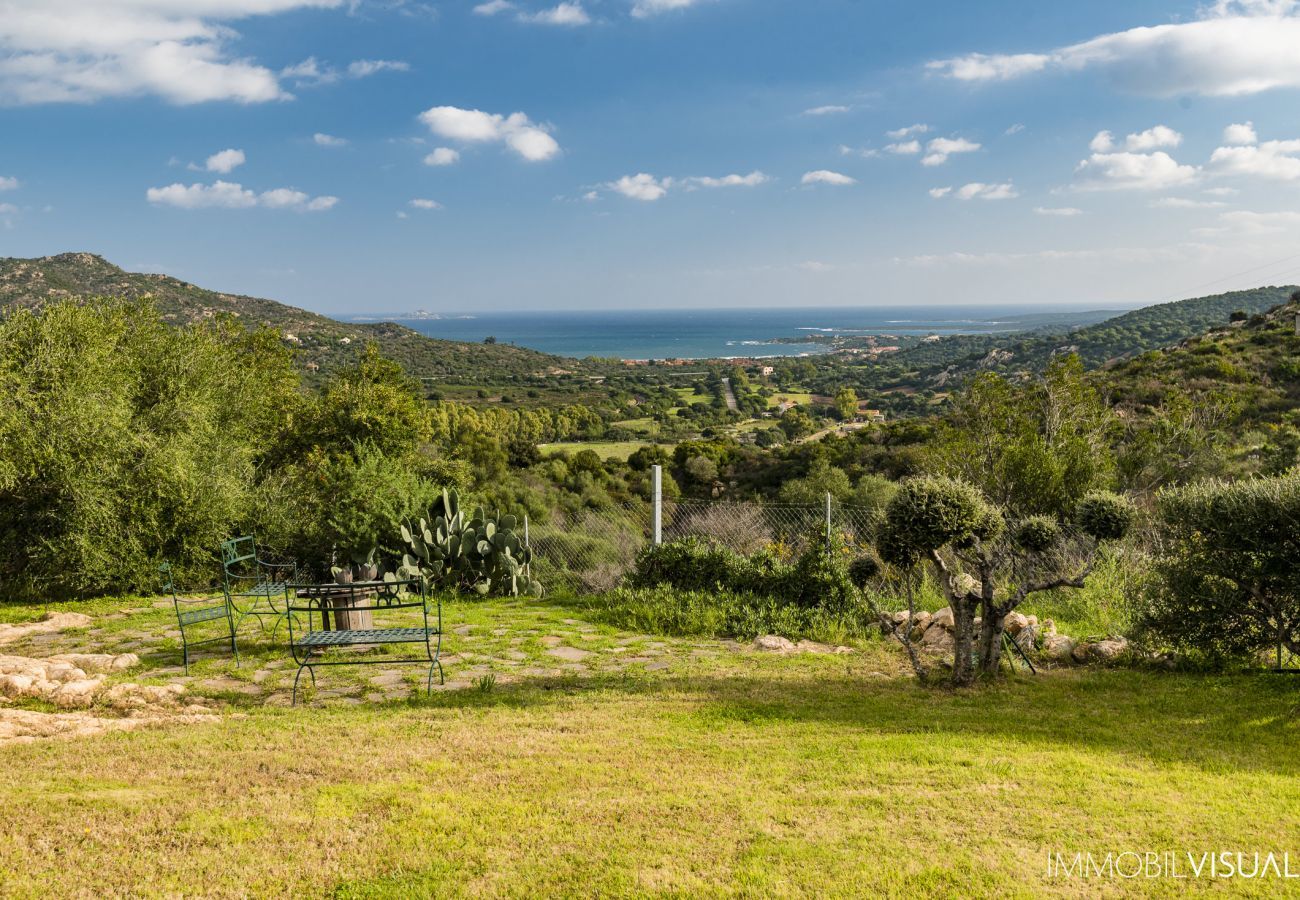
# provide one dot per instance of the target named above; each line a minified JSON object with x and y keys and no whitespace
{"x":324,"y":343}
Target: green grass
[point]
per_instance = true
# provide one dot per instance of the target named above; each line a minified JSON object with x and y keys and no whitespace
{"x":802,"y":398}
{"x":603,"y":449}
{"x":657,"y":767}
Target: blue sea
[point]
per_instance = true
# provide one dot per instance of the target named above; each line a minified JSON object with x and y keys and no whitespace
{"x":705,"y":334}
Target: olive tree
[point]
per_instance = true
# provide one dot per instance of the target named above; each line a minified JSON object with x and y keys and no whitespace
{"x":1230,"y":584}
{"x":988,"y":566}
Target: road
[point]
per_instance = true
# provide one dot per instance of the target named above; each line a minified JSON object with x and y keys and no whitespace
{"x":729,"y":395}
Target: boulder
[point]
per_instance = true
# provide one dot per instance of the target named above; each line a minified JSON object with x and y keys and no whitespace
{"x":773,"y":643}
{"x":1048,"y":627}
{"x":942,"y":618}
{"x":1109,"y":650}
{"x":1014,"y":622}
{"x":1027,"y":638}
{"x":1059,"y":647}
{"x":98,"y":662}
{"x":937,"y":639}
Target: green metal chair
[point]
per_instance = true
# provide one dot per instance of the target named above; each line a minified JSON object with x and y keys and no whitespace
{"x":248,"y":577}
{"x":193,"y":611}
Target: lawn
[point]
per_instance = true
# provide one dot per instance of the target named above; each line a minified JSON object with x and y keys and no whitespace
{"x":640,"y":765}
{"x":801,"y":398}
{"x":603,"y":449}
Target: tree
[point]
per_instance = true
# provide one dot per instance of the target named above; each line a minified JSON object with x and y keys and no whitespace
{"x":985,"y":566}
{"x":796,"y":423}
{"x":1229,"y":581}
{"x":846,"y":403}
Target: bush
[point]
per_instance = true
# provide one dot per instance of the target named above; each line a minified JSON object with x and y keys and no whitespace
{"x":1037,"y":534}
{"x":1105,"y":516}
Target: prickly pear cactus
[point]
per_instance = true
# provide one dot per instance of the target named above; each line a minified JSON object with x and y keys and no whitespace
{"x":467,"y":552}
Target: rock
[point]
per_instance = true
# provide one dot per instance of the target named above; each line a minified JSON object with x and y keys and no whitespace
{"x":899,"y":617}
{"x":79,"y":693}
{"x":773,"y":643}
{"x":569,"y":654}
{"x":937,"y":639}
{"x":1081,"y":652}
{"x":1059,"y":647}
{"x":1049,"y":628}
{"x":923,"y":620}
{"x":1027,"y":638}
{"x":1108,"y":650}
{"x":814,"y":647}
{"x":1014,"y":622}
{"x":46,"y":624}
{"x":942,"y":618}
{"x":98,"y":662}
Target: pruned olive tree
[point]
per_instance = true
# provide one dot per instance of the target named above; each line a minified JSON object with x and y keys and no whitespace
{"x":1229,"y":568}
{"x":987,"y":566}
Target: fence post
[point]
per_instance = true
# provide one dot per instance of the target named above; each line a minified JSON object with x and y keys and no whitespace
{"x":828,"y":521}
{"x":526,"y":541}
{"x":658,"y":504}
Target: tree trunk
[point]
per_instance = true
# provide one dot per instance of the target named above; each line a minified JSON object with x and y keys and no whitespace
{"x":990,"y":642}
{"x":963,"y":639}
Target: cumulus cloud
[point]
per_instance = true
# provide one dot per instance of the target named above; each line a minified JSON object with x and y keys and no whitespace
{"x":62,"y":51}
{"x":978,"y":190}
{"x":442,"y":156}
{"x":825,"y":176}
{"x":311,"y":72}
{"x":424,"y":203}
{"x":8,"y":183}
{"x":567,"y":13}
{"x":904,"y":148}
{"x":939,"y":192}
{"x":225,"y":162}
{"x":899,"y":134}
{"x":328,"y":140}
{"x":1240,"y":135}
{"x":643,"y":9}
{"x":1233,"y":48}
{"x":1062,"y":211}
{"x":1272,"y":160}
{"x":364,"y":68}
{"x":1133,"y":171}
{"x":492,"y":7}
{"x":1151,"y":139}
{"x":516,"y":131}
{"x":939,"y":149}
{"x":228,"y":195}
{"x":641,"y":186}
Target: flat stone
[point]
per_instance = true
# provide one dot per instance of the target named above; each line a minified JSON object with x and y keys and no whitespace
{"x":516,"y":655}
{"x":261,"y":675}
{"x":462,"y":630}
{"x":571,"y":654}
{"x":226,"y":683}
{"x":388,"y":679}
{"x":656,"y":666}
{"x":552,"y":641}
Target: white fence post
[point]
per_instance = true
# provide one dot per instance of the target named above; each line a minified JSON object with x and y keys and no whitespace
{"x":526,"y":542}
{"x":828,"y":521}
{"x":658,"y":504}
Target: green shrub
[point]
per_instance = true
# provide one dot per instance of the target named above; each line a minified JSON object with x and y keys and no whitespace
{"x":1037,"y":534}
{"x":1105,"y":516}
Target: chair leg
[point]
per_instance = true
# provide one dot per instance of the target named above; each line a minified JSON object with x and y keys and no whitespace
{"x":298,"y":676}
{"x":185,"y":652}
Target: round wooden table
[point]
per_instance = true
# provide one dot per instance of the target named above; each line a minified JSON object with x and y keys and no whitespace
{"x":338,"y":602}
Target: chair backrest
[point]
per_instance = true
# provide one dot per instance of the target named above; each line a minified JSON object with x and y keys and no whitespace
{"x":168,"y":582}
{"x":237,"y":550}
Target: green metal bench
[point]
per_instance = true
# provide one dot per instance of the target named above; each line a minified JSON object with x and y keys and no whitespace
{"x":247,"y":577}
{"x":325,"y":617}
{"x":193,"y":611}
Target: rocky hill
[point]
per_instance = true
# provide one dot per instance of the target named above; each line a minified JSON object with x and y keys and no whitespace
{"x":323,"y":343}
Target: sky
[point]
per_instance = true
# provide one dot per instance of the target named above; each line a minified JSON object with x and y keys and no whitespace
{"x":379,"y":156}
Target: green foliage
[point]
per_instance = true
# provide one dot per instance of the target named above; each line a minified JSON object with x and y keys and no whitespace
{"x":1229,"y":578}
{"x":864,"y":570}
{"x":457,"y":551}
{"x":846,"y":403}
{"x":1037,"y":534}
{"x":816,"y":579}
{"x":126,"y":442}
{"x":1105,"y":516}
{"x":930,"y":512}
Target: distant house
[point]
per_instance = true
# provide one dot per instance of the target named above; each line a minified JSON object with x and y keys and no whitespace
{"x":766,"y":371}
{"x":345,"y":340}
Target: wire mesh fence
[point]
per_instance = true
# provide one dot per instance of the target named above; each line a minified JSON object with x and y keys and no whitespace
{"x":591,"y":551}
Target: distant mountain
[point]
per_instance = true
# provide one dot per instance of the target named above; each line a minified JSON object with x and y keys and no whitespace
{"x":324,"y":343}
{"x":1104,"y":343}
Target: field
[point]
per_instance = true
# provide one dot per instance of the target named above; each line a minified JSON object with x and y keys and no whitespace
{"x":640,"y":765}
{"x":603,"y":449}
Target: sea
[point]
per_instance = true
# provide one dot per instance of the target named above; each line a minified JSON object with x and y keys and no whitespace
{"x":723,"y":333}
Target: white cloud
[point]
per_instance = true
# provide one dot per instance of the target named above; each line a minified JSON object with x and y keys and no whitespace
{"x":641,"y":186}
{"x":8,"y":183}
{"x":516,"y":131}
{"x":978,"y":190}
{"x":227,"y":195}
{"x":938,"y":192}
{"x":225,"y":161}
{"x":826,"y":110}
{"x":1240,"y":135}
{"x":8,"y":209}
{"x":567,"y":13}
{"x":1234,"y":48}
{"x":1062,"y":211}
{"x":904,"y":148}
{"x":1274,"y":160}
{"x":73,"y":51}
{"x":1173,"y":253}
{"x":328,"y":140}
{"x":442,"y":156}
{"x":1222,"y":192}
{"x":753,"y":179}
{"x":423,"y":203}
{"x":1185,"y":203}
{"x":1152,"y":139}
{"x":899,"y":133}
{"x":1133,"y":171}
{"x":825,"y":176}
{"x":311,"y":72}
{"x":1252,"y":223}
{"x":642,"y":9}
{"x":492,"y":7}
{"x":1014,"y":129}
{"x":1102,"y":142}
{"x":939,"y":149}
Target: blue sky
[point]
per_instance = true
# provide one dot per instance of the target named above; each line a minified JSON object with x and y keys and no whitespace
{"x":380,"y":155}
